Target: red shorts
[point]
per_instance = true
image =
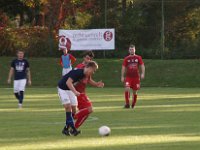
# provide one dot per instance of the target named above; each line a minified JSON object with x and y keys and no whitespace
{"x":83,"y":101}
{"x":133,"y":83}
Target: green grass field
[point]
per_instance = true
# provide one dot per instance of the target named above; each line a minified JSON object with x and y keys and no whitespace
{"x":164,"y":119}
{"x":159,"y":73}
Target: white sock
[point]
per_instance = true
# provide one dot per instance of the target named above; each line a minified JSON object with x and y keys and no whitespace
{"x":20,"y":105}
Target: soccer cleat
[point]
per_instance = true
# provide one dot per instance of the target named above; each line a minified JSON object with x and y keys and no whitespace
{"x":75,"y":132}
{"x":127,"y":106}
{"x":66,"y":132}
{"x":132,"y":106}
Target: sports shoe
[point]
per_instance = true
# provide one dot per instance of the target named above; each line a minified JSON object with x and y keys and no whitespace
{"x":66,"y":132}
{"x":126,"y":106}
{"x":75,"y":132}
{"x":132,"y":106}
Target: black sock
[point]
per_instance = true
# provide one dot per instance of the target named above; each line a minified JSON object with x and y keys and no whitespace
{"x":17,"y":95}
{"x":70,"y":121}
{"x":21,"y":97}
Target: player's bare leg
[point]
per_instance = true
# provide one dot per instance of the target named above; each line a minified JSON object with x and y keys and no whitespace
{"x":73,"y":110}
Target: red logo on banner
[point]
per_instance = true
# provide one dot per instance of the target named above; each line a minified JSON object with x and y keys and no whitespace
{"x":64,"y":42}
{"x":108,"y":36}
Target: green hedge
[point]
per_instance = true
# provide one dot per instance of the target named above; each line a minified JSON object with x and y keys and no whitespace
{"x":159,"y":73}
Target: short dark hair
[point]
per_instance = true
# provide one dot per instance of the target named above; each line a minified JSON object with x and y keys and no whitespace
{"x":88,"y":53}
{"x":131,"y":45}
{"x":19,"y":50}
{"x":92,"y":64}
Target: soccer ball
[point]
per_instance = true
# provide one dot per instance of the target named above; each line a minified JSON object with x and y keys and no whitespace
{"x":104,"y":131}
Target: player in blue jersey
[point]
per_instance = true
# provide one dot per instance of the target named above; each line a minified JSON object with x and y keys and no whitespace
{"x":21,"y":71}
{"x":66,"y":61}
{"x":67,"y":93}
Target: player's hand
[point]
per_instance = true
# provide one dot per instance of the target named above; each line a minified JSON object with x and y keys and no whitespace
{"x":100,"y":84}
{"x":142,"y":76}
{"x":9,"y":81}
{"x":122,"y":79}
{"x":29,"y":82}
{"x":77,"y":93}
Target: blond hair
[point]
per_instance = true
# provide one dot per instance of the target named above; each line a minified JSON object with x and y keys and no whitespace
{"x":92,"y":64}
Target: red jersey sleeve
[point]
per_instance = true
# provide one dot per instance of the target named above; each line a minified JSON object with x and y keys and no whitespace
{"x":72,"y":58}
{"x":140,"y":61}
{"x":80,"y":66}
{"x":124,"y":62}
{"x":61,"y":61}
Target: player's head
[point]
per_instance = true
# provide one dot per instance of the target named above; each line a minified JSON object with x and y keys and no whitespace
{"x":132,"y":49}
{"x":65,"y":50}
{"x":90,"y":68}
{"x":20,"y":54}
{"x":88,"y":56}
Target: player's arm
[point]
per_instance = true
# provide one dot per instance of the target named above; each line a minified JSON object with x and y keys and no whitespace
{"x":71,"y":86}
{"x":29,"y":75}
{"x":142,"y":70}
{"x":61,"y":63}
{"x":72,"y":58}
{"x":99,"y":84}
{"x":11,"y":72}
{"x":122,"y":73}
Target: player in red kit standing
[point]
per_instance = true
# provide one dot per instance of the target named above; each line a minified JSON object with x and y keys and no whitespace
{"x":133,"y":67}
{"x":84,"y":103}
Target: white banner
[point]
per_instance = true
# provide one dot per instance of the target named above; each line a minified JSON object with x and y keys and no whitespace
{"x":91,"y":39}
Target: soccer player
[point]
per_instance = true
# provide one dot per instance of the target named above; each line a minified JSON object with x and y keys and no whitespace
{"x":134,"y":68}
{"x":67,"y":93}
{"x":84,"y":103}
{"x":66,"y":61}
{"x":21,"y":71}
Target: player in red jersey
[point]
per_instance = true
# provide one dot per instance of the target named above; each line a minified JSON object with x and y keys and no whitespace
{"x":134,"y":68}
{"x":84,"y":103}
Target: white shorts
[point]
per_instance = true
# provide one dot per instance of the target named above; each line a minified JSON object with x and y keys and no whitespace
{"x":19,"y":85}
{"x":66,"y":71}
{"x":67,"y":97}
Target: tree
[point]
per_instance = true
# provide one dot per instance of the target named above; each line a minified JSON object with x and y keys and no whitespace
{"x":3,"y":20}
{"x":13,"y":8}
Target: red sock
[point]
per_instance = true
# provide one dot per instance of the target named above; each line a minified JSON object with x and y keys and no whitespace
{"x":134,"y":100}
{"x":127,"y":95}
{"x":80,"y":121}
{"x":81,"y":116}
{"x":82,"y":113}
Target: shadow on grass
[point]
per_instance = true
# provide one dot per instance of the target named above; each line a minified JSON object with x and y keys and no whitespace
{"x":174,"y":142}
